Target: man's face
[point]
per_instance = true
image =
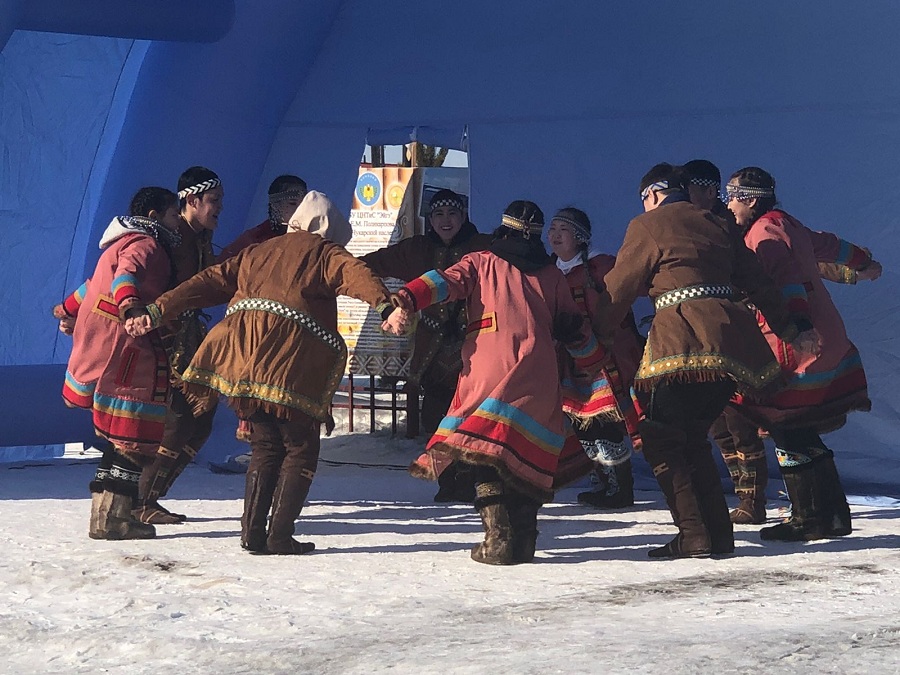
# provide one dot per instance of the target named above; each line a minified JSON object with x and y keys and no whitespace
{"x":704,"y":196}
{"x":447,"y":221}
{"x":203,"y":210}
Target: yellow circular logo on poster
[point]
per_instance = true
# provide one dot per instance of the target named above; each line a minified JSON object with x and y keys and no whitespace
{"x":395,"y":195}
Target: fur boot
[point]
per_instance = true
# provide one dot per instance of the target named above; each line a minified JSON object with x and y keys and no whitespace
{"x":288,"y":500}
{"x":749,"y":511}
{"x":811,"y":509}
{"x":257,"y":502}
{"x":114,"y":519}
{"x":840,"y":524}
{"x":664,"y":450}
{"x":615,"y":488}
{"x":95,"y":531}
{"x":497,"y":547}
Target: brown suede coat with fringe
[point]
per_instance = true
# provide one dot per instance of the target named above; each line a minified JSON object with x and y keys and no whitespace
{"x":278,"y":348}
{"x":678,"y":245}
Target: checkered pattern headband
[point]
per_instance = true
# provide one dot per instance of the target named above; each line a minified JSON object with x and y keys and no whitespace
{"x":205,"y":186}
{"x":520,"y":225}
{"x":582,"y":234}
{"x":447,"y":201}
{"x":747,"y":193}
{"x":704,"y":182}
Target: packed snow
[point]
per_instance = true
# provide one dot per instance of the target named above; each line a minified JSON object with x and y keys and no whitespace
{"x":391,"y":586}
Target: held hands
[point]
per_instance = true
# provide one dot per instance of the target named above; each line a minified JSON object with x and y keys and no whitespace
{"x":138,"y":325}
{"x":398,"y":322}
{"x":870,"y":272}
{"x":67,"y":325}
{"x":808,"y":342}
{"x":66,"y":322}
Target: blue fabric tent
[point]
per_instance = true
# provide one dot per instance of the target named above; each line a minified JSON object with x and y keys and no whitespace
{"x":564,"y":103}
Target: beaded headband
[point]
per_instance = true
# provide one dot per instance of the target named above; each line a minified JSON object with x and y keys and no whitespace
{"x":514,"y":223}
{"x":206,"y":185}
{"x":582,"y":234}
{"x":447,"y":201}
{"x":293,"y":193}
{"x":746,"y":193}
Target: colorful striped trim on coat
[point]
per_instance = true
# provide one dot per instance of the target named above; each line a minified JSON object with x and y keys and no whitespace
{"x":131,"y":422}
{"x":124,"y":287}
{"x":77,"y":393}
{"x":428,"y":289}
{"x":852,"y":256}
{"x":73,"y":302}
{"x":797,"y":298}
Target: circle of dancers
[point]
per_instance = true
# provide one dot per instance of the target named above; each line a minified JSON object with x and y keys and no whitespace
{"x":532,"y":370}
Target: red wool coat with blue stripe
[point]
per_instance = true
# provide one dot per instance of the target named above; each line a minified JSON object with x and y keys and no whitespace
{"x":821,"y":389}
{"x":124,"y":381}
{"x":507,"y":410}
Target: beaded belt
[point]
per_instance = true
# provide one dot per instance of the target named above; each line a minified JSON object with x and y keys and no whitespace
{"x":333,"y":340}
{"x":679,"y":295}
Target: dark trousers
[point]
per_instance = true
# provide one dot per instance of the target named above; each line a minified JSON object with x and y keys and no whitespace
{"x":283,"y":462}
{"x":677,"y":447}
{"x":183,"y":437}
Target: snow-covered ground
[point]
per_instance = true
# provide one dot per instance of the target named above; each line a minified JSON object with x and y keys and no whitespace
{"x":391,"y":586}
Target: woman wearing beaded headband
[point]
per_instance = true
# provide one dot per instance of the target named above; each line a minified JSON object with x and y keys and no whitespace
{"x":821,"y":387}
{"x":569,"y":236}
{"x":506,"y":417}
{"x":122,"y":380}
{"x":700,"y":346}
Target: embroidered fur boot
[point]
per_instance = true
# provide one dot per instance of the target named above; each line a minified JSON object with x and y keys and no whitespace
{"x":497,"y":547}
{"x":617,"y":491}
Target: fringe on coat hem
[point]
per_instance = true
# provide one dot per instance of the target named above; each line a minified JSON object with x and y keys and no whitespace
{"x":455,"y":453}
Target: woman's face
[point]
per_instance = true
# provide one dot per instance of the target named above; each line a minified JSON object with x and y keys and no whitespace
{"x":447,"y":222}
{"x":562,"y":240}
{"x":741,"y":208}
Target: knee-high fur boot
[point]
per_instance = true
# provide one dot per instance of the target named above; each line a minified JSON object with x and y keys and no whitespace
{"x":111,"y":510}
{"x":257,"y":502}
{"x":497,"y":547}
{"x":664,"y":450}
{"x":840,"y":524}
{"x":155,"y":480}
{"x":811,"y":508}
{"x":290,"y":495}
